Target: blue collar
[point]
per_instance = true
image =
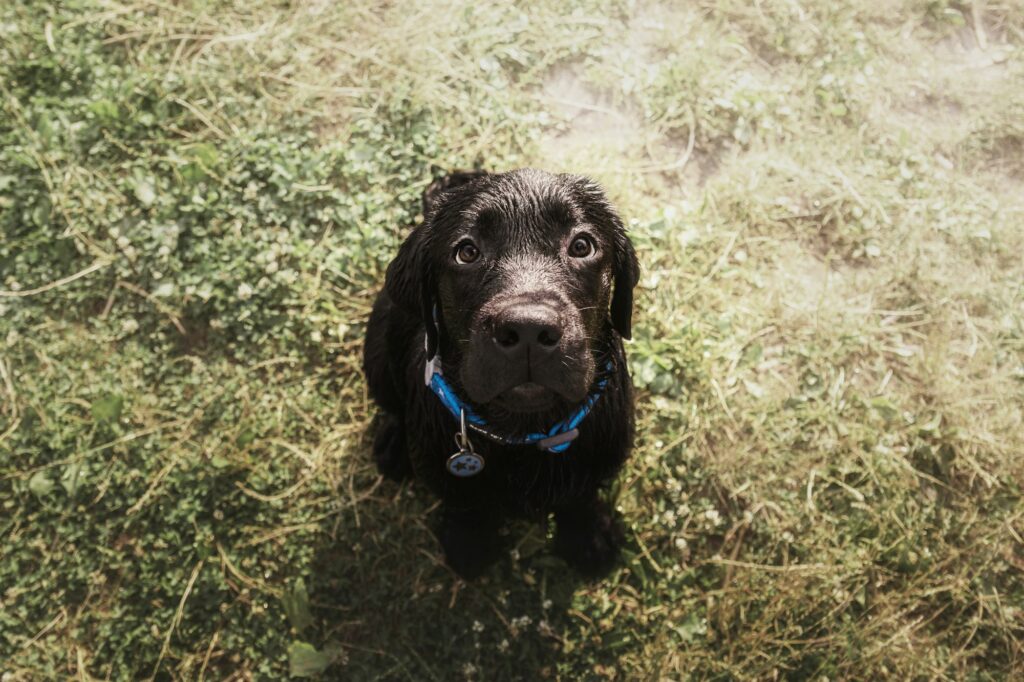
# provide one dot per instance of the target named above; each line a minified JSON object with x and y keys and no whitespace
{"x":556,"y":439}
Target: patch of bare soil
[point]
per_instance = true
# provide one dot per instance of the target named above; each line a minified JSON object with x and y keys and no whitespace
{"x":588,"y":122}
{"x":607,"y":135}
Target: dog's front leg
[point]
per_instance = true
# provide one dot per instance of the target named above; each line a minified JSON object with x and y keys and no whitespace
{"x":469,"y":537}
{"x":588,"y":536}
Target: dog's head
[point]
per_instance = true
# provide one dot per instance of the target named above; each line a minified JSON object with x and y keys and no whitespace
{"x":520,"y":279}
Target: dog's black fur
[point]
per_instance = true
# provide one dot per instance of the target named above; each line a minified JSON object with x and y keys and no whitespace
{"x":524,"y":223}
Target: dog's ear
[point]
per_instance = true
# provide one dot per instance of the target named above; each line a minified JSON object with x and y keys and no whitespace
{"x":626,"y":269}
{"x":410,"y":282}
{"x":626,"y":276}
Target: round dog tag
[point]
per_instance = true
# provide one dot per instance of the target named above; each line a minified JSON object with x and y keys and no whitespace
{"x":465,"y":463}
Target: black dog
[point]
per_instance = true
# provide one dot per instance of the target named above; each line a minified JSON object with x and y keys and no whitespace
{"x":495,"y":353}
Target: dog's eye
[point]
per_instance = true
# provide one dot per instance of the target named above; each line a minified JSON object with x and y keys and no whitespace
{"x":581,"y":247}
{"x":466,"y":253}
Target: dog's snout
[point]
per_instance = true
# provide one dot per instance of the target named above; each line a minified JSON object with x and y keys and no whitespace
{"x":522,"y":331}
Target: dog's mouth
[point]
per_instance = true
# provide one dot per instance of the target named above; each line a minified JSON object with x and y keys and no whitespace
{"x":544,"y":391}
{"x":528,"y":396}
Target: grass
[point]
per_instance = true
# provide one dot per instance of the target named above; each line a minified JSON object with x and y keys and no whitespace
{"x":197,"y":202}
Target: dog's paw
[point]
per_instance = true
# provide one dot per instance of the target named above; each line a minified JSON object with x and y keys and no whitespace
{"x":389,"y":449}
{"x":589,"y":539}
{"x":468,"y":549}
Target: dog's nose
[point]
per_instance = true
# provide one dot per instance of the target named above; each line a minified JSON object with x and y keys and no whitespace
{"x":523,"y":331}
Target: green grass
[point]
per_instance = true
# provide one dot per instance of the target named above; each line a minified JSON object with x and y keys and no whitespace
{"x":197,"y":203}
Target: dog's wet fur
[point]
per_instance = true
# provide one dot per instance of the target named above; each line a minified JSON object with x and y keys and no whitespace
{"x":523,"y":283}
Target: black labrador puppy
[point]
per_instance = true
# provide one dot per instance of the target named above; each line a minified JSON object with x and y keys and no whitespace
{"x":495,"y":353}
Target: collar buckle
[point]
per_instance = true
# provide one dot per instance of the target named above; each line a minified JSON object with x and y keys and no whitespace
{"x":432,"y":365}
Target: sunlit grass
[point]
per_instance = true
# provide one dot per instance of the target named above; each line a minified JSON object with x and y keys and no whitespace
{"x":198,"y":201}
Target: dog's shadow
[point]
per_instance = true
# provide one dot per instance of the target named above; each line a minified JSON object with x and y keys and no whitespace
{"x":380,"y":589}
